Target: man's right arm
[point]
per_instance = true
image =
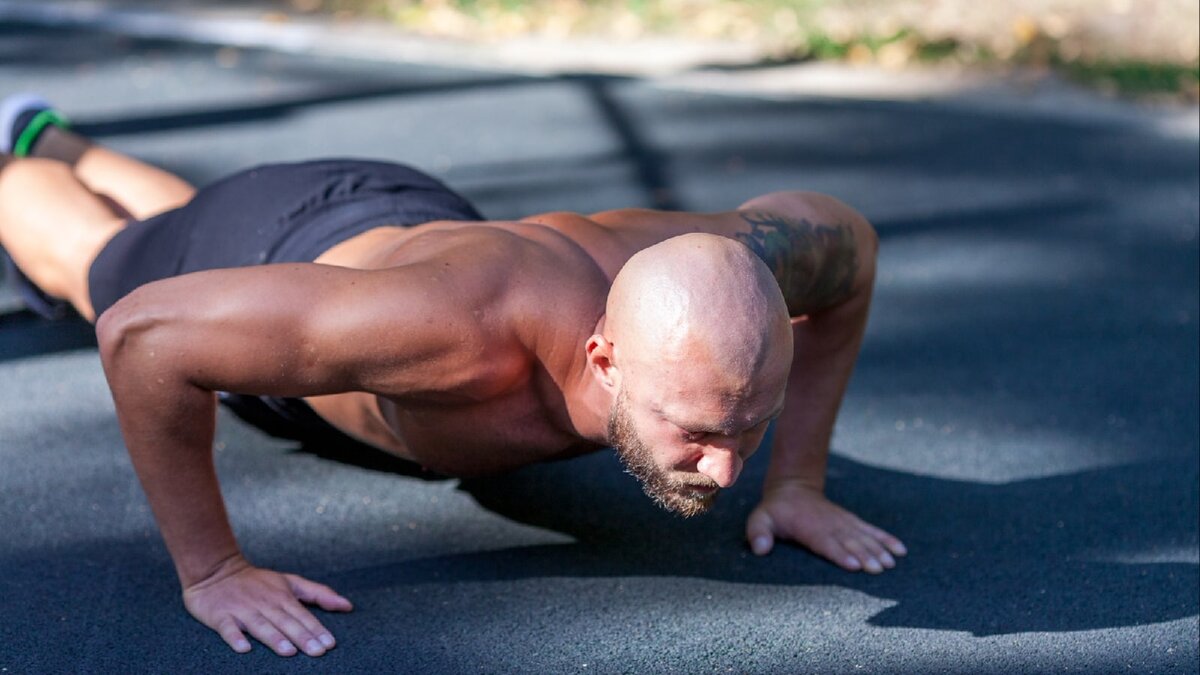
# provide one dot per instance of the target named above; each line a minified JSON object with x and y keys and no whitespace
{"x":289,"y":330}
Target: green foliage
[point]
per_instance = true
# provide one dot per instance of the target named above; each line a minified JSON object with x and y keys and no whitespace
{"x":821,"y":46}
{"x":786,"y":27}
{"x":941,"y":50}
{"x":1136,"y":77}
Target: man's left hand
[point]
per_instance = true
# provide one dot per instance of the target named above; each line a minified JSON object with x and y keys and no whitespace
{"x":802,"y":513}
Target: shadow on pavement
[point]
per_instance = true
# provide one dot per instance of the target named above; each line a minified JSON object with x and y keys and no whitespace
{"x":1030,"y":556}
{"x":1051,"y":554}
{"x":281,"y":107}
{"x":24,"y":334}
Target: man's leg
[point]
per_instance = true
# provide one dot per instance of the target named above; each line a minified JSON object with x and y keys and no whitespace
{"x":138,"y":188}
{"x":53,"y":226}
{"x":65,"y":200}
{"x":31,"y":127}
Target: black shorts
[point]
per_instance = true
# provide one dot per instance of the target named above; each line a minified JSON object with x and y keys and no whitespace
{"x":271,"y":214}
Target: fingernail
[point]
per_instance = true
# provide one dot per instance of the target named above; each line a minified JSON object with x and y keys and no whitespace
{"x":326,"y":639}
{"x":761,"y":545}
{"x":313,"y":646}
{"x":873,"y":565}
{"x":287,"y":647}
{"x":901,"y":549}
{"x":241,"y":646}
{"x":853,"y":563}
{"x":887,"y":560}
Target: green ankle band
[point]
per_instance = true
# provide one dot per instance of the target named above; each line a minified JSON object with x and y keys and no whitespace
{"x":35,"y":128}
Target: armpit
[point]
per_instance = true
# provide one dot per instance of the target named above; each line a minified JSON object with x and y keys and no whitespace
{"x":815,"y":265}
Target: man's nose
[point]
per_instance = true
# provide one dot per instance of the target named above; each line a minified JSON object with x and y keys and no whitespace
{"x":722,"y":463}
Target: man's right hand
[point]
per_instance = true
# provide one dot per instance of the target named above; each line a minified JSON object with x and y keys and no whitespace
{"x":270,"y":606}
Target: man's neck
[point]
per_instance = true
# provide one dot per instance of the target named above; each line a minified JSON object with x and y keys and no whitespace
{"x":587,"y":403}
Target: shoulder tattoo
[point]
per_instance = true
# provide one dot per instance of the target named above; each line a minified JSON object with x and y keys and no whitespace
{"x":815,"y":265}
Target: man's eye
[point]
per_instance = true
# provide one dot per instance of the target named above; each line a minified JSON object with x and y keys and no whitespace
{"x":693,"y":436}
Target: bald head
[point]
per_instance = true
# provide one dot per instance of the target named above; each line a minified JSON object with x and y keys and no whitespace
{"x":698,"y":299}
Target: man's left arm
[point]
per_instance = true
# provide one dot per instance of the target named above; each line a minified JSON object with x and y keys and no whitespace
{"x":823,"y":255}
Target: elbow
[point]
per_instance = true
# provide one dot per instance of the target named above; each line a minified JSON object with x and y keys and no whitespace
{"x":124,"y":326}
{"x":110,"y":331}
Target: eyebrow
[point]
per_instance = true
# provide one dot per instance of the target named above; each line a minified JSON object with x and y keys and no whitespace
{"x":713,"y":429}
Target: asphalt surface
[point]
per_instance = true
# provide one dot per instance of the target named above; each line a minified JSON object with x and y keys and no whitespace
{"x":1024,"y":414}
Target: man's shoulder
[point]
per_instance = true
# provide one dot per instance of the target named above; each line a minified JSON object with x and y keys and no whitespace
{"x":517,"y":292}
{"x":502,"y":270}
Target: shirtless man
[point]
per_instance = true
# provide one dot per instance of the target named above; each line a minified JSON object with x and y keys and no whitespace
{"x":368,"y":300}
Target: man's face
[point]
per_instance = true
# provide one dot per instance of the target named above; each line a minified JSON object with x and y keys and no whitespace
{"x":687,"y":497}
{"x":680,"y":465}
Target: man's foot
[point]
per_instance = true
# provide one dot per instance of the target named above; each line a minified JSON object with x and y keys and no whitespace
{"x":23,"y":118}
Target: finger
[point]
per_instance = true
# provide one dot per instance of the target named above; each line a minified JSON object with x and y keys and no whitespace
{"x":324,"y":638}
{"x":295,"y":630}
{"x":839,"y":555}
{"x":759,"y":532}
{"x":265,"y":632}
{"x":876,"y":550}
{"x":318,"y":594}
{"x":869,"y":563}
{"x":228,"y":629}
{"x":892,"y":544}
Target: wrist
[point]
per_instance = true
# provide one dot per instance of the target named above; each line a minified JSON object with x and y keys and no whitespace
{"x":198,"y":576}
{"x":788,"y":483}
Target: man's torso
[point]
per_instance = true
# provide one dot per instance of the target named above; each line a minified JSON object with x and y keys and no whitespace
{"x":552,"y":274}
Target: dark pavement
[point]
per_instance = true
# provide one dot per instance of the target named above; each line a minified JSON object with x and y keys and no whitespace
{"x":1024,"y":414}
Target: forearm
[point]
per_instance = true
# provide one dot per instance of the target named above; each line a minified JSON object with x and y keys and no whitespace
{"x":823,"y":255}
{"x":173,"y":460}
{"x":168,"y":425}
{"x":826,"y":346}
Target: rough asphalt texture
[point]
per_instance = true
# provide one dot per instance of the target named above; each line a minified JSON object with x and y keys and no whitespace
{"x":1024,"y":413}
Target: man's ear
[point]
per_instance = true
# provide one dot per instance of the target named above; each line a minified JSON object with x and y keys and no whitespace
{"x":602,"y":363}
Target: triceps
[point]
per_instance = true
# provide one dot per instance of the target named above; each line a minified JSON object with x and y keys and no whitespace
{"x":815,"y":265}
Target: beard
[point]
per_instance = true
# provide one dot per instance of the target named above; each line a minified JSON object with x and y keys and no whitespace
{"x":673,"y":494}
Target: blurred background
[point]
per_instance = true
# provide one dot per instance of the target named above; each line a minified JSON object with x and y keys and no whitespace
{"x":1148,"y":47}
